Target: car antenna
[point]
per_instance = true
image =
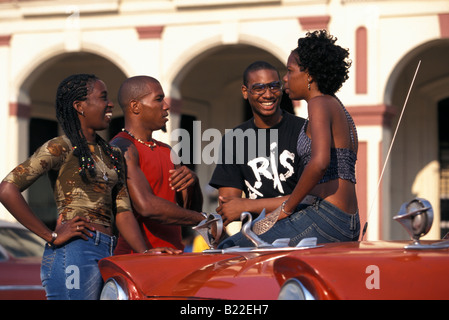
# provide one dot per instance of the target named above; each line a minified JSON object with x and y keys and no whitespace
{"x":365,"y":227}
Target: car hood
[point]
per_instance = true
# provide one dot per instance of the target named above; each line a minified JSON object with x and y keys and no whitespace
{"x":370,"y":270}
{"x":353,"y":270}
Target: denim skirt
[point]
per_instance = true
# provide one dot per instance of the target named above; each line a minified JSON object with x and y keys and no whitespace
{"x":70,"y":271}
{"x":321,"y":219}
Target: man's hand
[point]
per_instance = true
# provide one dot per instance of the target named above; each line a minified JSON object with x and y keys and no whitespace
{"x":230,"y":208}
{"x":181,"y":178}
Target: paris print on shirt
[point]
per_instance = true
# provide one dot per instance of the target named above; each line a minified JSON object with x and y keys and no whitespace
{"x":269,"y":169}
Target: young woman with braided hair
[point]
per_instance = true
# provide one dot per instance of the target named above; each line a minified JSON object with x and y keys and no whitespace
{"x":87,"y":176}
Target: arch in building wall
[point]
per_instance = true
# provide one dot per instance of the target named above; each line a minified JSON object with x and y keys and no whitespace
{"x":199,"y":50}
{"x":266,"y":45}
{"x":406,"y":67}
{"x":33,"y":69}
{"x":414,"y":163}
{"x":41,"y":83}
{"x":40,"y":61}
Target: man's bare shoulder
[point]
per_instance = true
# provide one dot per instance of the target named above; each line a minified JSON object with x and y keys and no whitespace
{"x":126,"y":146}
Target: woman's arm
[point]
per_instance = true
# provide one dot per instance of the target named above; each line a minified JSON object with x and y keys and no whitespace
{"x":321,"y":135}
{"x":14,"y":202}
{"x":48,"y":157}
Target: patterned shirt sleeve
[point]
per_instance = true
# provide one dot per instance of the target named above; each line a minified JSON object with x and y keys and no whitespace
{"x":49,"y":156}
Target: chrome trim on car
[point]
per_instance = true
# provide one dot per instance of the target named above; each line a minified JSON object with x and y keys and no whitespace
{"x":302,"y":293}
{"x":262,"y":246}
{"x":121,"y":292}
{"x":416,"y":217}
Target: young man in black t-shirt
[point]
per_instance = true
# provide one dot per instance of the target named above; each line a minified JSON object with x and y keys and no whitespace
{"x":259,"y":156}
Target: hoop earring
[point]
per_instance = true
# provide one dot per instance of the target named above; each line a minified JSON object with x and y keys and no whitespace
{"x":308,"y":86}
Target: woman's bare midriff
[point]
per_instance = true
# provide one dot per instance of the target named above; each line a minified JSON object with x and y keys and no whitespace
{"x":339,"y":192}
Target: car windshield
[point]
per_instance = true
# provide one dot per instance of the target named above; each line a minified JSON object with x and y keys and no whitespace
{"x":21,"y":242}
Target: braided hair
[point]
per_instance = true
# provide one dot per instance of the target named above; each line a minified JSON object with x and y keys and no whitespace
{"x":76,"y":88}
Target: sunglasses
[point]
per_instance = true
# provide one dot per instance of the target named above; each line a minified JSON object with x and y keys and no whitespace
{"x":261,"y":88}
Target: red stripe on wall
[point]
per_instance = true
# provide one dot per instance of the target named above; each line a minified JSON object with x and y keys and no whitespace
{"x":361,"y":175}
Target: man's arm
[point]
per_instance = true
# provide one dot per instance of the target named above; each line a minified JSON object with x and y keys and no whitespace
{"x":142,"y":197}
{"x":231,"y":204}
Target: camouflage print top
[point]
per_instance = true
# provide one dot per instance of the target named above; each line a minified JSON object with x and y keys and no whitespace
{"x":98,"y":200}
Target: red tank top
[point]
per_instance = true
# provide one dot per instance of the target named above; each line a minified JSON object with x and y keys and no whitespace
{"x":155,"y":164}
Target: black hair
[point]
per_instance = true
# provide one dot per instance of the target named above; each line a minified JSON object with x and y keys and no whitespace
{"x":255,"y":66}
{"x":133,"y":88}
{"x":76,"y":88}
{"x":325,"y":61}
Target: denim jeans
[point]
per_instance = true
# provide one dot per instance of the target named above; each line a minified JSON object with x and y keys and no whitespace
{"x":70,"y":272}
{"x":322,"y":220}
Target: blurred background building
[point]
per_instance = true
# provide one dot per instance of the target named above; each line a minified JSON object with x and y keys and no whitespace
{"x":198,"y":50}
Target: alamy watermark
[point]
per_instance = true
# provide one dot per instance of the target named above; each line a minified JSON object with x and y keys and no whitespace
{"x":72,"y":280}
{"x":373,"y":280}
{"x":73,"y":20}
{"x":198,"y":147}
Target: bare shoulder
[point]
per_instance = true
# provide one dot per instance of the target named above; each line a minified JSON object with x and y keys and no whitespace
{"x":128,"y":149}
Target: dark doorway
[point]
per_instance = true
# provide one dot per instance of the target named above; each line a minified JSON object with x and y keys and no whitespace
{"x":443,"y":138}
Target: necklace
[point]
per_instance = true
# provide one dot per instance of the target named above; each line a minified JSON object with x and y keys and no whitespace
{"x":105,"y":174}
{"x":151,"y":146}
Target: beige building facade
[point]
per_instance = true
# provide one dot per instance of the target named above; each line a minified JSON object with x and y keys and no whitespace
{"x":198,"y":50}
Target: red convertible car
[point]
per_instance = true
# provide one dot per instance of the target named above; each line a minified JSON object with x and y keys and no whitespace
{"x":414,"y":269}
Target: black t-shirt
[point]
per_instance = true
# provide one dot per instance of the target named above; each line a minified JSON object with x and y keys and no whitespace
{"x":263,"y":162}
